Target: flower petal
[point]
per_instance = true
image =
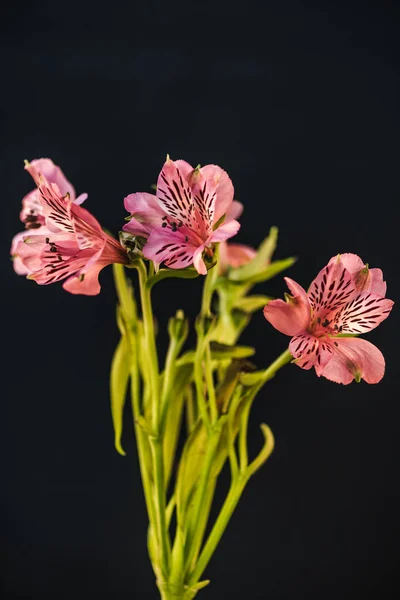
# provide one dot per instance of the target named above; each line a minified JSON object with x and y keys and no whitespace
{"x":366,"y":280}
{"x":332,"y":288}
{"x":32,"y":210}
{"x":53,"y":174}
{"x":225,"y":231}
{"x":355,"y":358}
{"x":219,"y":183}
{"x":234,"y":211}
{"x":362,"y":314}
{"x":87,"y":283}
{"x":198,"y":261}
{"x":174,"y":194}
{"x":148,"y":213}
{"x":310,"y":351}
{"x":172,"y":248}
{"x":293,"y":316}
{"x":234,"y":255}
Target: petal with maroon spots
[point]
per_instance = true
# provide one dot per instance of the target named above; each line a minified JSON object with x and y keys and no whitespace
{"x":310,"y":351}
{"x":87,"y":283}
{"x":32,"y":210}
{"x":174,"y":195}
{"x":173,"y":248}
{"x":355,"y":358}
{"x":366,"y":280}
{"x":220,"y":188}
{"x":88,"y":231}
{"x":333,"y":287}
{"x":362,"y":314}
{"x":53,"y":174}
{"x":293,"y":316}
{"x":19,"y":267}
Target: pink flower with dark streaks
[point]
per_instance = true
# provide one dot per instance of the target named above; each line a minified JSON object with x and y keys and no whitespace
{"x":192,"y":209}
{"x":346,"y":298}
{"x":69,"y":246}
{"x":32,"y":213}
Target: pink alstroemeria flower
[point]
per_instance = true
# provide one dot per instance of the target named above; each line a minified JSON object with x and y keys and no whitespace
{"x":70,"y":246}
{"x":345,"y":298}
{"x":31,"y":214}
{"x":184,"y":218}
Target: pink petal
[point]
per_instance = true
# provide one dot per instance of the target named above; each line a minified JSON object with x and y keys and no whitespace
{"x":174,"y":195}
{"x":332,"y":288}
{"x":365,"y":312}
{"x":376,"y":285}
{"x":172,"y":248}
{"x":234,"y":211}
{"x":218,"y":182}
{"x":185,"y":169}
{"x":147,"y":211}
{"x":355,"y":357}
{"x":32,"y":210}
{"x":198,"y":261}
{"x":293,"y":316}
{"x":351,"y":262}
{"x":225,"y":231}
{"x":19,"y":267}
{"x":53,"y":174}
{"x":310,"y":351}
{"x":366,"y":280}
{"x":64,"y":216}
{"x":86,"y":284}
{"x":80,"y":199}
{"x":234,"y":255}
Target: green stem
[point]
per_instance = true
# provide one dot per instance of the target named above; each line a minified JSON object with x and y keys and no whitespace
{"x":280,"y":362}
{"x":145,"y":298}
{"x":239,"y":478}
{"x":155,"y":440}
{"x":125,"y":293}
{"x":194,"y":531}
{"x":160,"y":508}
{"x":210,"y":384}
{"x":219,"y":527}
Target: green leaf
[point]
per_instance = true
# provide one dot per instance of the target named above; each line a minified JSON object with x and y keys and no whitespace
{"x":223,"y":351}
{"x":119,"y":378}
{"x":262,"y":258}
{"x":250,"y":304}
{"x":218,"y":352}
{"x":189,"y":273}
{"x":250,"y":379}
{"x":271,"y":270}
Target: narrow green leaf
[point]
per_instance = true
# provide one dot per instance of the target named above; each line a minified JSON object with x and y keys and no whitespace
{"x":270,"y":271}
{"x":250,"y":304}
{"x":119,"y":378}
{"x":189,"y":273}
{"x":218,"y":352}
{"x":223,"y":351}
{"x":259,"y":262}
{"x":250,"y":379}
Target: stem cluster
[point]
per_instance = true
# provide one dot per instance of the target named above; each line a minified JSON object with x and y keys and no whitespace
{"x":212,"y":389}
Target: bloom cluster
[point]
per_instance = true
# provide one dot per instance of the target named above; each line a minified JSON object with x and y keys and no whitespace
{"x":179,"y":226}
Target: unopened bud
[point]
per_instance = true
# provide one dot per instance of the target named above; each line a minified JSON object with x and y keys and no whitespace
{"x":178,"y":327}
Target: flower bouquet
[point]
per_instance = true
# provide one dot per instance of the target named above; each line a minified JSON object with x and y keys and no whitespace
{"x":191,"y":408}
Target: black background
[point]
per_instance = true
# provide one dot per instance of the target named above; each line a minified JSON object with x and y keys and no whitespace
{"x":299,"y":102}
